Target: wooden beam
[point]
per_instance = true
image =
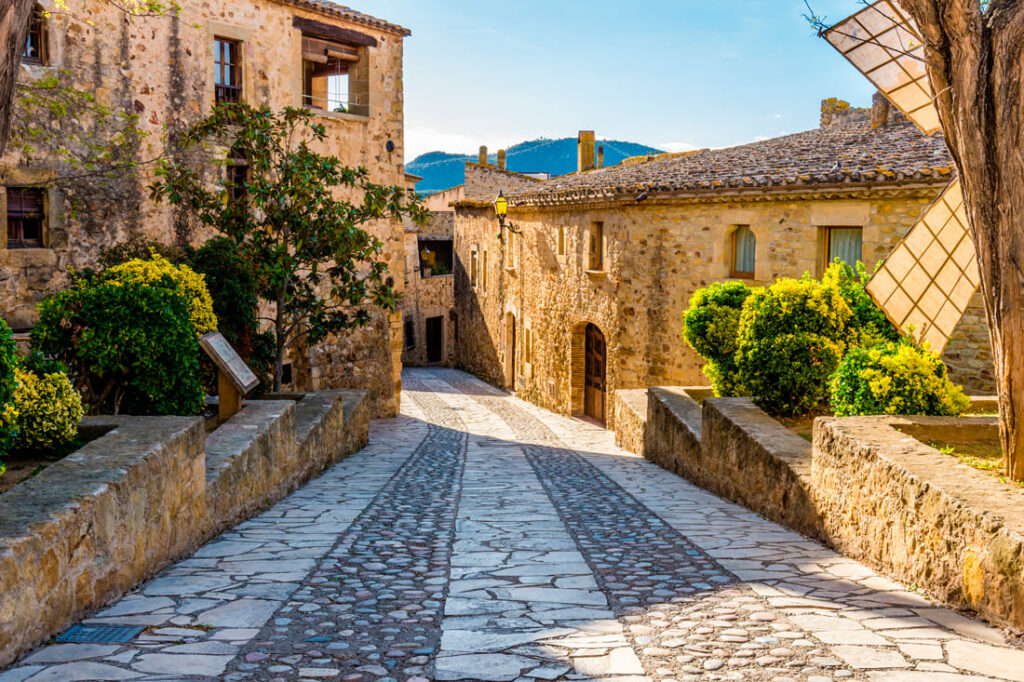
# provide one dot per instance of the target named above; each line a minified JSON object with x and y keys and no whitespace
{"x":336,"y":34}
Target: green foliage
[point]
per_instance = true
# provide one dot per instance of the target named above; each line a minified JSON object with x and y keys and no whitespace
{"x":792,"y":336}
{"x":158,"y":271}
{"x":139,"y":248}
{"x":49,"y":410}
{"x":131,"y":345}
{"x":895,"y":378}
{"x":439,"y":268}
{"x":231,"y":284}
{"x":869,"y":322}
{"x":711,"y":327}
{"x":311,"y":257}
{"x":8,"y":385}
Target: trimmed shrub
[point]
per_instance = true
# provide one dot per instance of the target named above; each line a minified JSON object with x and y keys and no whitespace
{"x":792,"y":336}
{"x":131,"y":347}
{"x":898,"y":378}
{"x":138,"y":248}
{"x":711,"y":327}
{"x":49,"y":410}
{"x":229,"y":280}
{"x":870,"y":323}
{"x":157,"y":271}
{"x":8,"y":385}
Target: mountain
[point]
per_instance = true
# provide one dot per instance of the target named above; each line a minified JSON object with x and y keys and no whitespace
{"x":441,"y":170}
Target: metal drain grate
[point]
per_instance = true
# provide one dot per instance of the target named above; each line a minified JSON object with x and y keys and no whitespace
{"x":111,"y":634}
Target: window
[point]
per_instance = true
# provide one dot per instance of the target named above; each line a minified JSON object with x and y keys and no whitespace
{"x":236,"y":178}
{"x":227,"y":74}
{"x":473,"y":258}
{"x":484,"y":273}
{"x":596,"y":258}
{"x":436,"y":255}
{"x":744,"y":249}
{"x":844,"y":243}
{"x":528,"y":346}
{"x":510,"y":250}
{"x":561,"y":241}
{"x":328,"y":76}
{"x":26,"y":217}
{"x":35,"y":43}
{"x":410,"y":335}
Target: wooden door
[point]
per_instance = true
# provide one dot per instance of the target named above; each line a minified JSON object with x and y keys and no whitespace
{"x":510,"y":350}
{"x":594,"y":391}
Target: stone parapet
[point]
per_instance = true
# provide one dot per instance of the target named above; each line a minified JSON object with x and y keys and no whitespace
{"x":891,"y":501}
{"x":628,"y":418}
{"x":148,"y":491}
{"x":674,"y":430}
{"x":92,"y":526}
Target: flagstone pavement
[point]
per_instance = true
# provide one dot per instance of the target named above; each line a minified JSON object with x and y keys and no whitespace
{"x":481,"y":538}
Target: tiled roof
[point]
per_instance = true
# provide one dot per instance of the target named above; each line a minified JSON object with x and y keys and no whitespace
{"x":341,"y":11}
{"x":891,"y":154}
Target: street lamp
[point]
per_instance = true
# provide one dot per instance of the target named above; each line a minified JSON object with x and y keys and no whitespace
{"x":501,"y":208}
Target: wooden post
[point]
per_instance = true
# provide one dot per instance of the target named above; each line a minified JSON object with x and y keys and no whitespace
{"x":229,"y":398}
{"x":234,"y":378}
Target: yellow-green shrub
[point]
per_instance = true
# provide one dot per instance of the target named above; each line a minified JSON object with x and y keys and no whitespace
{"x":897,"y":379}
{"x":49,"y":410}
{"x":710,"y":327}
{"x":193,"y":285}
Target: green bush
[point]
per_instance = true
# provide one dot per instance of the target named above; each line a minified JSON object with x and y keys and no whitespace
{"x":232,"y":287}
{"x":158,"y":271}
{"x":131,"y":345}
{"x":871,"y":325}
{"x":138,"y":248}
{"x":792,"y":336}
{"x":49,"y":410}
{"x":711,"y":327}
{"x":897,"y":378}
{"x":8,"y":385}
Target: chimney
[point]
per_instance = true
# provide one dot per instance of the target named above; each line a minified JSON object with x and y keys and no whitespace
{"x":483,"y":155}
{"x":600,"y":156}
{"x":585,"y":146}
{"x":880,"y":108}
{"x":501,"y":159}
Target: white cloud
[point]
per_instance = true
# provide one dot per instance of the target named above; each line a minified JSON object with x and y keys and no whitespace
{"x":777,"y":116}
{"x":421,"y":138}
{"x":676,"y":147}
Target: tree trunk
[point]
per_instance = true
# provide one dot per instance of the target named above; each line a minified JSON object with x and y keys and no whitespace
{"x":279,"y":336}
{"x":14,"y":20}
{"x":974,"y":61}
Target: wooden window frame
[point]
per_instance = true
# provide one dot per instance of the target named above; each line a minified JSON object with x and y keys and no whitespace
{"x":596,"y":255}
{"x":230,"y":90}
{"x":18,"y":241}
{"x":733,"y":272}
{"x":826,"y":247}
{"x":37,"y":30}
{"x":561,"y":240}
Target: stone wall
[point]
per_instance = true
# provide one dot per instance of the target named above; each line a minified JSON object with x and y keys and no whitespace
{"x":656,"y":254}
{"x":484,"y":182}
{"x":674,"y":428}
{"x":628,"y":418}
{"x":146,"y":493}
{"x":891,"y":501}
{"x":161,"y":68}
{"x":427,"y":297}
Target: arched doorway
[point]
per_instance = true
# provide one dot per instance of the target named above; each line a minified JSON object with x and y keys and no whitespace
{"x":595,"y":374}
{"x":510,"y":351}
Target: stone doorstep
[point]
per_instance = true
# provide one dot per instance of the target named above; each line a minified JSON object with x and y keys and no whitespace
{"x":143,"y":450}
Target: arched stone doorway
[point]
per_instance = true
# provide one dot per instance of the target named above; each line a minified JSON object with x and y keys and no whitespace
{"x":589,"y":372}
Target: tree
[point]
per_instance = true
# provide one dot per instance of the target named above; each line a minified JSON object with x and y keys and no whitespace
{"x":973,"y":54}
{"x":316,"y":266}
{"x":14,"y":20}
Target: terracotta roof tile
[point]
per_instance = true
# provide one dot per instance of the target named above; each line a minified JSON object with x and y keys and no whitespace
{"x":890,"y":154}
{"x":335,"y":10}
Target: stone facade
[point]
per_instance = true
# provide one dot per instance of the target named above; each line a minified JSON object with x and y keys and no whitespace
{"x":149,"y":491}
{"x":660,"y":235}
{"x":429,"y":296}
{"x":162,"y":69}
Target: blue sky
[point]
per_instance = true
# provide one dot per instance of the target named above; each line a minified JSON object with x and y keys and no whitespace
{"x":674,"y":74}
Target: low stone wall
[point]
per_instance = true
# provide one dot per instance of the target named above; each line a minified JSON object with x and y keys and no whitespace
{"x":628,"y":418}
{"x":90,"y":527}
{"x":918,"y":515}
{"x":750,"y":458}
{"x":148,"y":492}
{"x":674,"y":424}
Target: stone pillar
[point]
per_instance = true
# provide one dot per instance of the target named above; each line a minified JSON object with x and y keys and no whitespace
{"x":501,"y":159}
{"x":585,"y":146}
{"x":879,"y":111}
{"x":483,"y":155}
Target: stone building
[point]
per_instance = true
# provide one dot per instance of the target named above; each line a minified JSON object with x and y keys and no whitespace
{"x":590,"y":297}
{"x":344,"y":65}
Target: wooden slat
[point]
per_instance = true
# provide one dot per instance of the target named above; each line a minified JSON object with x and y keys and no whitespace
{"x":336,"y":34}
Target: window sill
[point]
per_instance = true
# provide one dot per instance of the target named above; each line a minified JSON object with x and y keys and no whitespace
{"x":510,"y":270}
{"x":450,"y":274}
{"x":597,"y":274}
{"x":338,"y":116}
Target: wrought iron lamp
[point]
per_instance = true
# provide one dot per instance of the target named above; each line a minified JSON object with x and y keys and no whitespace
{"x":501,"y":208}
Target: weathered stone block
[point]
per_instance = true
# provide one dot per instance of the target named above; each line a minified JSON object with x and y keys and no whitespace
{"x":628,"y":418}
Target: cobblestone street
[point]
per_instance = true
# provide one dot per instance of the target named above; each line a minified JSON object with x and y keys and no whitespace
{"x":481,"y":538}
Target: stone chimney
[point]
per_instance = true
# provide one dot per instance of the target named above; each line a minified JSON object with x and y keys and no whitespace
{"x":501,"y":159}
{"x":880,"y":108}
{"x":483,"y":155}
{"x":600,"y":156}
{"x":585,"y":145}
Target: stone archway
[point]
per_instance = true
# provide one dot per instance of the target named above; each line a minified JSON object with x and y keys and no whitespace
{"x":589,"y":371}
